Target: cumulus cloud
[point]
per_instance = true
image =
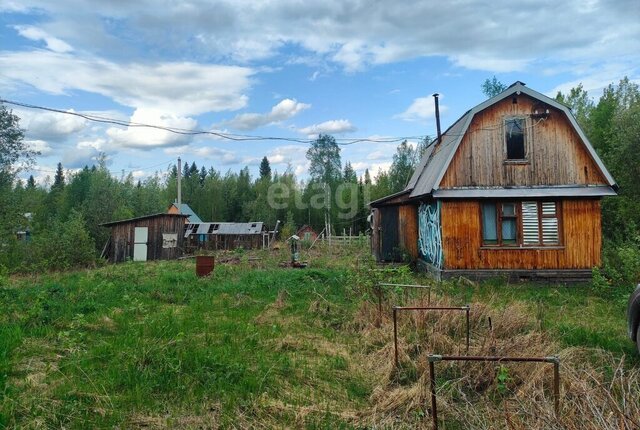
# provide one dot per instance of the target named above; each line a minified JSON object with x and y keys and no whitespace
{"x":39,"y":146}
{"x":497,"y":36}
{"x":335,"y":126}
{"x":222,"y":156}
{"x":37,"y":34}
{"x":51,"y":126}
{"x":421,"y":109}
{"x":147,"y":138}
{"x":287,"y":108}
{"x":181,"y":88}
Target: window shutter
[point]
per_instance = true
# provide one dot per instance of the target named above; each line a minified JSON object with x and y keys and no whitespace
{"x":549,"y":224}
{"x":530,"y":227}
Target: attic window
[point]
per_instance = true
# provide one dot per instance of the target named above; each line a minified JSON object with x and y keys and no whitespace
{"x":514,"y":138}
{"x":212,"y":228}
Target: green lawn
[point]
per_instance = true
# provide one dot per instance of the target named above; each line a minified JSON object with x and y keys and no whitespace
{"x":152,"y":346}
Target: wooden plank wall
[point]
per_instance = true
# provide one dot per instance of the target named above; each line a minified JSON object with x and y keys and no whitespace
{"x":581,"y":242}
{"x":555,"y":152}
{"x":122,"y":238}
{"x":408,"y":229}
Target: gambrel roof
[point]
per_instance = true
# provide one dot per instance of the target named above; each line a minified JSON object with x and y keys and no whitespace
{"x":436,"y":160}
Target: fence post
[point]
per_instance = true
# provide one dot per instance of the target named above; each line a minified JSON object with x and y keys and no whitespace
{"x":395,"y":333}
{"x":432,"y":378}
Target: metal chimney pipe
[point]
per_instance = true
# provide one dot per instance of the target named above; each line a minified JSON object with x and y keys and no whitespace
{"x":435,"y":96}
{"x":179,"y":185}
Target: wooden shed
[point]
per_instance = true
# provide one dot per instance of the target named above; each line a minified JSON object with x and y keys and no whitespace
{"x":307,"y":233}
{"x":152,"y":237}
{"x":226,"y":235}
{"x":512,"y":188}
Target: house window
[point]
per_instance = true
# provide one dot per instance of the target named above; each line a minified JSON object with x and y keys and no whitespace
{"x":527,"y":223}
{"x":514,"y":138}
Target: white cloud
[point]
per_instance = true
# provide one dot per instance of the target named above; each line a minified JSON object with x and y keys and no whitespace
{"x":39,"y":145}
{"x":335,"y":126}
{"x":422,"y":108}
{"x":37,"y":34}
{"x":181,"y":88}
{"x":284,"y":110}
{"x":50,"y":126}
{"x":146,"y":138}
{"x":497,"y":36}
{"x":222,"y":156}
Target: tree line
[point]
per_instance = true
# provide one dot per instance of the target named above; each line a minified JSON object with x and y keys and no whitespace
{"x":68,"y":213}
{"x":66,"y":216}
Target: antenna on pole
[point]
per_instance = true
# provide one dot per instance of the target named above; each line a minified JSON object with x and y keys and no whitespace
{"x":179,"y":185}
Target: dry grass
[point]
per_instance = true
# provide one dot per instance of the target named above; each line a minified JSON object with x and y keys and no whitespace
{"x":597,"y":390}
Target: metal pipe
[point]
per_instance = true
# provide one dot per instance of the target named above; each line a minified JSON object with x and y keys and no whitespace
{"x":468,"y":327}
{"x":556,"y":387}
{"x":395,"y":334}
{"x":431,"y":308}
{"x":432,"y":358}
{"x":404,"y":285}
{"x":496,"y":358}
{"x":434,"y":409}
{"x":435,"y":96}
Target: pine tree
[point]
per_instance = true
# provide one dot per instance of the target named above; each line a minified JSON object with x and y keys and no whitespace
{"x":265,"y":169}
{"x":58,"y":180}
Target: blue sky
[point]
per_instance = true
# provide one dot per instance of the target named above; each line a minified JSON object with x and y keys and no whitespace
{"x":286,"y":68}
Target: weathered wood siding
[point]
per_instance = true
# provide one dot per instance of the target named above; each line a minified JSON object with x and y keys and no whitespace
{"x":555,"y":153}
{"x":408,"y":229}
{"x":398,"y":225}
{"x":580,"y":249}
{"x":123,"y":234}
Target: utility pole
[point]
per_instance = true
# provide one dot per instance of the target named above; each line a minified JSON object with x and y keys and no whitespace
{"x":179,"y":185}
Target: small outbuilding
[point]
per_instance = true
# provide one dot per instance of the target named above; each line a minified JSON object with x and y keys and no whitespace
{"x":226,"y":235}
{"x":151,"y":237}
{"x":307,"y":233}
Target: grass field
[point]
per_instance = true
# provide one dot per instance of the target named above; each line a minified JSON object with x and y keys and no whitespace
{"x":254,"y":345}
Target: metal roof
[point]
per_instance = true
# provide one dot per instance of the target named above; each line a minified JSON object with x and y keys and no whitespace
{"x":434,"y":163}
{"x":110,"y":223}
{"x":535,"y":192}
{"x":185,"y":209}
{"x":387,"y":198}
{"x":228,"y":228}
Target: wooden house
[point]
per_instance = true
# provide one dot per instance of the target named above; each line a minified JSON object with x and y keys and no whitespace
{"x":512,"y":188}
{"x":307,"y":233}
{"x":151,"y":237}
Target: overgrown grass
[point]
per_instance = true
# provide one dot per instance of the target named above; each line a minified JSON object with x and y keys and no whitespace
{"x":152,"y":346}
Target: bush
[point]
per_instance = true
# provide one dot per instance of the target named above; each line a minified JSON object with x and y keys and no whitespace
{"x":620,"y":270}
{"x":64,"y":245}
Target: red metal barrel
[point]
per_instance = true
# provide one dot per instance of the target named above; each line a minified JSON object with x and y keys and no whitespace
{"x":204,"y":265}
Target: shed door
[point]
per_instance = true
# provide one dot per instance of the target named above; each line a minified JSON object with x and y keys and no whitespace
{"x":140,"y":244}
{"x":389,"y":234}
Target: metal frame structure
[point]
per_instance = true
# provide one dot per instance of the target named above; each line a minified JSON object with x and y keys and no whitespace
{"x":465,"y":308}
{"x":433,"y":358}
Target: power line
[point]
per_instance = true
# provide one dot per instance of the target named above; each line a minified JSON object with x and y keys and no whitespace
{"x":192,"y":132}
